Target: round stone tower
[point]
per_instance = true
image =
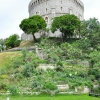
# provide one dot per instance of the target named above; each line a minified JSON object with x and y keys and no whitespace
{"x":49,"y":9}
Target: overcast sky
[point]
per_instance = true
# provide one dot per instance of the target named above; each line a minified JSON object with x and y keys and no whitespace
{"x":13,"y":11}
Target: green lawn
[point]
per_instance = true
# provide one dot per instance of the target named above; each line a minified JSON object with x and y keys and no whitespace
{"x":60,"y":97}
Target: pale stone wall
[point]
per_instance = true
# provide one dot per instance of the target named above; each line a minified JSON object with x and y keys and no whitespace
{"x":26,"y":37}
{"x":63,"y":87}
{"x":52,"y":8}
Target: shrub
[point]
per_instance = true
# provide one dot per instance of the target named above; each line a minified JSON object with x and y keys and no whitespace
{"x":70,"y":51}
{"x":82,"y":73}
{"x":95,"y":72}
{"x":3,"y":86}
{"x":13,"y":41}
{"x":94,"y":58}
{"x":59,"y":66}
{"x":24,"y":53}
{"x":50,"y":86}
{"x":89,"y":84}
{"x":13,"y":90}
{"x":27,"y":70}
{"x":17,"y":62}
{"x":4,"y":77}
{"x":36,"y":85}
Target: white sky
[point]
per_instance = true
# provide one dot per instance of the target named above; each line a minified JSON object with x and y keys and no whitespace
{"x":13,"y":11}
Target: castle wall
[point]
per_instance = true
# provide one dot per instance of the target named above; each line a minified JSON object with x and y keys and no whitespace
{"x":49,"y":9}
{"x":52,"y":8}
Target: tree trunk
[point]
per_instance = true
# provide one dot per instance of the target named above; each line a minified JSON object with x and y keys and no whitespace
{"x":34,"y":38}
{"x":63,"y":37}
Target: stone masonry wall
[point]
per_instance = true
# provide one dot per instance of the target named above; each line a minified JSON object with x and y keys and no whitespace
{"x":52,"y":8}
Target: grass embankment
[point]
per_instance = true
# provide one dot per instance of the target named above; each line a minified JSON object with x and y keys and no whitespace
{"x":7,"y":57}
{"x":28,"y":43}
{"x":59,"y":97}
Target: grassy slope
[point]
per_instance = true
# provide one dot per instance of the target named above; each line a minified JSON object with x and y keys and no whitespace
{"x":27,"y":43}
{"x":61,"y":97}
{"x":7,"y":57}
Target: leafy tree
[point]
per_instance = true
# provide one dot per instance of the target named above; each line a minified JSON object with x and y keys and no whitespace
{"x":95,"y":58}
{"x":2,"y":43}
{"x":32,"y":25}
{"x":67,"y":24}
{"x":90,"y":29}
{"x":84,"y":44}
{"x":13,"y":41}
{"x":94,"y":65}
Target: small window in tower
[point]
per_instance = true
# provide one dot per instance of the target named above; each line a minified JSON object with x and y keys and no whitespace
{"x":61,"y":1}
{"x":37,"y":13}
{"x":61,"y":8}
{"x":46,"y":10}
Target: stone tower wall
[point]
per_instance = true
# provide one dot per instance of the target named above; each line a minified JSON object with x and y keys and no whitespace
{"x":52,"y":8}
{"x":49,"y":9}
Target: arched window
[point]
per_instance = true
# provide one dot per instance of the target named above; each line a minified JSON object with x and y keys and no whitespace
{"x":46,"y":19}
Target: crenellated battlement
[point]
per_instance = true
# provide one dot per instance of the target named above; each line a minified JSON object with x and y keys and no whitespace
{"x":34,"y":3}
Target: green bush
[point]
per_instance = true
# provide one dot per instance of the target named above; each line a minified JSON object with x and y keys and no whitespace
{"x":27,"y":70}
{"x":50,"y":86}
{"x":24,"y":53}
{"x":94,"y":58}
{"x":13,"y":41}
{"x":82,"y":74}
{"x":36,"y":86}
{"x":13,"y":90}
{"x":70,"y":51}
{"x":89,"y":84}
{"x":3,"y":86}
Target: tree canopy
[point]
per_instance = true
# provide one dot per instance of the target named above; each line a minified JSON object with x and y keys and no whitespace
{"x":2,"y":43}
{"x":13,"y":41}
{"x":67,"y":24}
{"x":90,"y":29}
{"x":32,"y":25}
